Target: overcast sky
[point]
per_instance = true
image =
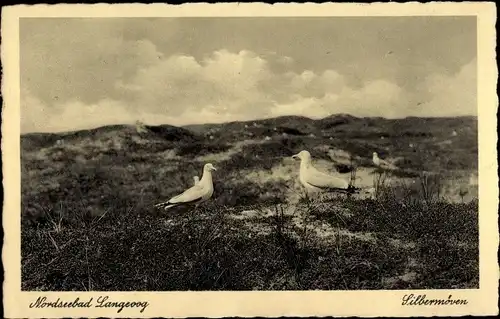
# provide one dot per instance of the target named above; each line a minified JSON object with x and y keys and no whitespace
{"x":82,"y":73}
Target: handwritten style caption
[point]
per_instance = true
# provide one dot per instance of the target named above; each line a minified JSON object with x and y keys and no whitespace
{"x":100,"y":302}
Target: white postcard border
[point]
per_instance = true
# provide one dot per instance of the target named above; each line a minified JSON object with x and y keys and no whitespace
{"x":481,"y":301}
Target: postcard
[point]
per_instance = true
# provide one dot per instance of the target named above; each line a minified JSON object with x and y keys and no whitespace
{"x":243,"y":160}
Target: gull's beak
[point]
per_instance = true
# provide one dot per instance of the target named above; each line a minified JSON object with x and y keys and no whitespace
{"x":296,"y":156}
{"x":214,"y":168}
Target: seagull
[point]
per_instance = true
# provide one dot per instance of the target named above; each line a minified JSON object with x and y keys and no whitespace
{"x":316,"y":181}
{"x":197,"y":194}
{"x":196,"y":180}
{"x":382,"y":163}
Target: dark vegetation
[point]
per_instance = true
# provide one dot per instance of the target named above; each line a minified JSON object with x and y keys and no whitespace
{"x":88,"y":221}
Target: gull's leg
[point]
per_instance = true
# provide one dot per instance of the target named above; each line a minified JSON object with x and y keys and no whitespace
{"x":309,"y":200}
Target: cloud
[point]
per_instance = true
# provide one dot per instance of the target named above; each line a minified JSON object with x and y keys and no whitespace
{"x":227,"y":86}
{"x":225,"y":81}
{"x":34,"y":113}
{"x":374,"y":99}
{"x":242,"y":85}
{"x":453,"y":95}
{"x":36,"y":116}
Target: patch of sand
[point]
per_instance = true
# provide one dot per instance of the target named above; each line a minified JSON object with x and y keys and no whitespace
{"x":257,"y":222}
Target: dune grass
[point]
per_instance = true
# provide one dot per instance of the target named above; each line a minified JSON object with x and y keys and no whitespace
{"x":367,"y":244}
{"x":88,"y":221}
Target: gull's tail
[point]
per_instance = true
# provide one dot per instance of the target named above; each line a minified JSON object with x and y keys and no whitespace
{"x":166,"y":205}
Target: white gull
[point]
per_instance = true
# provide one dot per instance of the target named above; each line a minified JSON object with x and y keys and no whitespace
{"x":195,"y":195}
{"x":316,"y":181}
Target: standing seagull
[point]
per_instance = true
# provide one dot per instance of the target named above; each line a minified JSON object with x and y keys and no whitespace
{"x":197,"y":194}
{"x":382,"y":163}
{"x":316,"y":181}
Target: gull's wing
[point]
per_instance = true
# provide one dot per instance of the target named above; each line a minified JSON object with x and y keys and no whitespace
{"x":190,"y":195}
{"x":322,"y":180}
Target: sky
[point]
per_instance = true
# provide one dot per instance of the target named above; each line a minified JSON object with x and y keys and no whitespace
{"x":79,"y":73}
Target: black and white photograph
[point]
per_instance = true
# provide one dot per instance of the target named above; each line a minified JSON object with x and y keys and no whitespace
{"x":257,"y":153}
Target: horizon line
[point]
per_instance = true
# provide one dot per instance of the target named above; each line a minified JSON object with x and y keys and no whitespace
{"x":253,"y":120}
